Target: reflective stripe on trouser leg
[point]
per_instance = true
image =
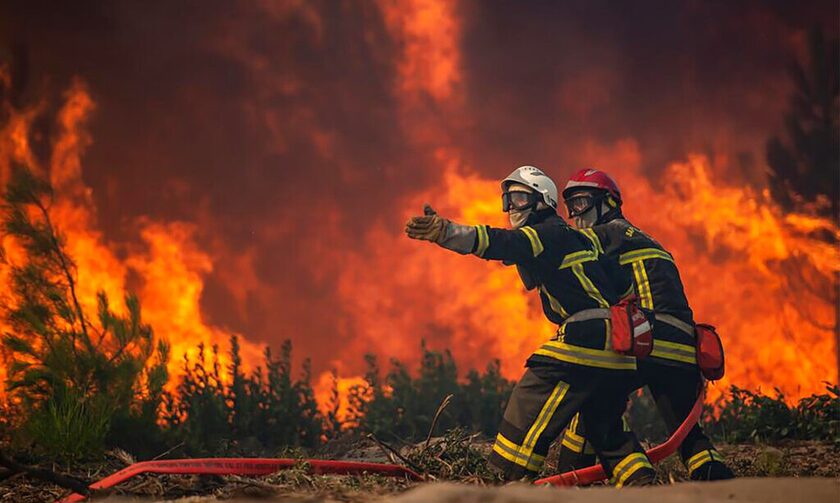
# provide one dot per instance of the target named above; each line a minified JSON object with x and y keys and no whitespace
{"x":575,"y":452}
{"x":628,"y":466}
{"x":573,"y":440}
{"x":523,"y":454}
{"x":701,"y":458}
{"x":540,"y":407}
{"x":512,"y":452}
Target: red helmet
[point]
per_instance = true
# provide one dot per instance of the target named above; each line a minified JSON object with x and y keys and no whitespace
{"x":589,"y":178}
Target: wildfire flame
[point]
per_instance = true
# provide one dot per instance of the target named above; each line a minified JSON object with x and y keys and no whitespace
{"x":171,"y":268}
{"x":735,"y":251}
{"x":764,"y":277}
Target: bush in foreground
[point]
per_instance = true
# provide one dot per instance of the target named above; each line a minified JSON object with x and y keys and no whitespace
{"x":751,"y":416}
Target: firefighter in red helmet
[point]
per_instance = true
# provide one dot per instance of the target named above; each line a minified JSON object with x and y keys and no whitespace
{"x":593,"y":201}
{"x":576,"y":370}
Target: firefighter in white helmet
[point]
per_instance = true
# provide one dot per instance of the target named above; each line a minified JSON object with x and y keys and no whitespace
{"x":575,"y":370}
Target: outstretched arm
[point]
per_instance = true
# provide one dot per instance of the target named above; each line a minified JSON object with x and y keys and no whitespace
{"x":445,"y":233}
{"x":513,"y":246}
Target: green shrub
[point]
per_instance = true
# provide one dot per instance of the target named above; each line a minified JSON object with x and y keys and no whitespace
{"x":69,"y":427}
{"x":751,"y":416}
{"x":266,"y":411}
{"x":403,"y":407}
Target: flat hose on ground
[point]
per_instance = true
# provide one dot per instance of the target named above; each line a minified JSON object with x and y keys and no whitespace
{"x":267,"y":466}
{"x":244,"y":466}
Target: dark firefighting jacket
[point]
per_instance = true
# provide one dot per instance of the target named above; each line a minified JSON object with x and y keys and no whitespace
{"x":571,"y":277}
{"x":657,"y":284}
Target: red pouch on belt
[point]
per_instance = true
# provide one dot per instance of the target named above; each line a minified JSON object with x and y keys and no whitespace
{"x":709,"y":352}
{"x":632,"y":332}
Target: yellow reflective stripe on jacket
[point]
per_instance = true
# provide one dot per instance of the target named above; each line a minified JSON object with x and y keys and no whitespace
{"x":534,"y":238}
{"x":668,"y":350}
{"x":588,"y":286}
{"x":642,"y":285}
{"x":628,"y":466}
{"x":512,"y":452}
{"x":701,"y":458}
{"x":589,"y":233}
{"x":483,"y":240}
{"x":578,"y":257}
{"x":644,"y":254}
{"x":543,"y":418}
{"x":586,"y":356}
{"x":637,"y":259}
{"x":554,"y":303}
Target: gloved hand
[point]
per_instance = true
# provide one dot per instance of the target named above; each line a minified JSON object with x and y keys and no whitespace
{"x":429,"y":227}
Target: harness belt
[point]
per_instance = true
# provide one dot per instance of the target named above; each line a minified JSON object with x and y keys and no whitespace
{"x":675,"y":322}
{"x":604,"y":314}
{"x":558,"y":349}
{"x":589,"y":314}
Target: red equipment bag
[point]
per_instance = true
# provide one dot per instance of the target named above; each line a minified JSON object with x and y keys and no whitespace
{"x":632,"y":331}
{"x":709,"y":352}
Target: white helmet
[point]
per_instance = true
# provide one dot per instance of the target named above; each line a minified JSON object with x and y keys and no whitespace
{"x":534,"y":178}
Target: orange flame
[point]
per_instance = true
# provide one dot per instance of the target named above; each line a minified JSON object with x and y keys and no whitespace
{"x":736,"y":249}
{"x":760,"y":275}
{"x":171,"y":269}
{"x":733,"y":279}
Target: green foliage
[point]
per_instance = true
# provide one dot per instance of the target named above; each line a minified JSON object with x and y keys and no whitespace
{"x":214,"y":411}
{"x":750,"y":416}
{"x":69,"y":426}
{"x":403,"y":407}
{"x":63,"y":363}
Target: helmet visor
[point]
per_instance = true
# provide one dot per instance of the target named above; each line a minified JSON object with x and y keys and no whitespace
{"x":518,"y":200}
{"x":580,"y":203}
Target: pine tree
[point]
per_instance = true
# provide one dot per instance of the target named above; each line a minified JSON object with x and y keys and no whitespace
{"x":72,"y":370}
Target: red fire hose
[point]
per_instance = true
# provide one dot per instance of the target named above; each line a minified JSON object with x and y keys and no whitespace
{"x":596,"y":473}
{"x":244,"y":466}
{"x":267,"y":466}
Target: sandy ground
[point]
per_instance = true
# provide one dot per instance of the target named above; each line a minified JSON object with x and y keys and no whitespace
{"x":764,"y":490}
{"x":752,"y":490}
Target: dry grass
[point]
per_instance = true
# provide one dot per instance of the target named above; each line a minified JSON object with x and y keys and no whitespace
{"x":456,"y":456}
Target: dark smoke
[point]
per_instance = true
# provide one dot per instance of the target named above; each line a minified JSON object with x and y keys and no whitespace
{"x":275,"y":128}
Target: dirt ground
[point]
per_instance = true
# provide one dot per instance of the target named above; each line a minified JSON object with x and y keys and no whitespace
{"x":759,"y":490}
{"x":781,"y":490}
{"x":792,"y":472}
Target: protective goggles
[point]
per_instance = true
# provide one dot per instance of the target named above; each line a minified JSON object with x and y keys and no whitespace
{"x":518,"y":200}
{"x":580,"y":203}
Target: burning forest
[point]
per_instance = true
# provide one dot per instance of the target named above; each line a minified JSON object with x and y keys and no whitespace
{"x":234,"y":179}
